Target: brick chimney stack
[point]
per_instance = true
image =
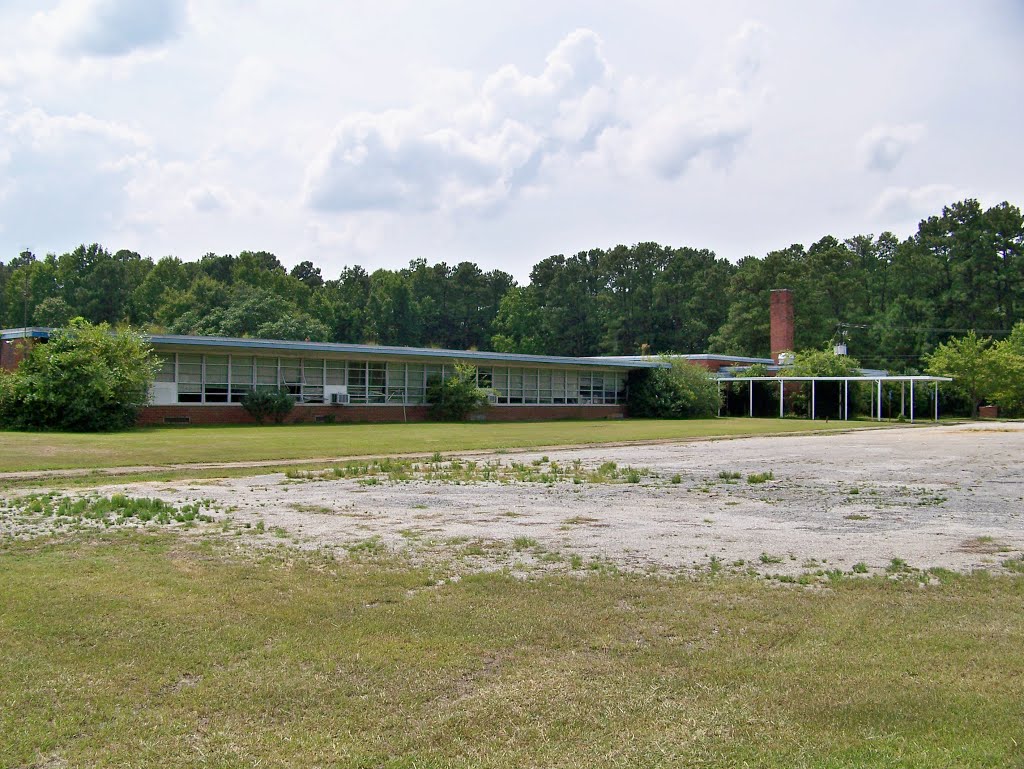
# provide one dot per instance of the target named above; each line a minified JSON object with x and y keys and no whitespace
{"x":781,"y":322}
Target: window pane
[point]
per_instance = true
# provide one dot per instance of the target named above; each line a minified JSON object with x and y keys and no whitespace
{"x":335,"y":372}
{"x":166,"y":371}
{"x":313,"y":372}
{"x":266,"y":372}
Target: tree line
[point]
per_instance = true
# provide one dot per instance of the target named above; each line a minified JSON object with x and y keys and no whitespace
{"x":893,"y":301}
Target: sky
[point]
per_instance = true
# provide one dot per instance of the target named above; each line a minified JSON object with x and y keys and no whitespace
{"x":346,"y":132}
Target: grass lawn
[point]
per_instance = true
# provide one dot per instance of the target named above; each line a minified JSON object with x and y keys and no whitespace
{"x":150,"y":651}
{"x":242,"y":443}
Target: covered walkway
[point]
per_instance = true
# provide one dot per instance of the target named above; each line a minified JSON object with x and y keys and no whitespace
{"x":877,"y":381}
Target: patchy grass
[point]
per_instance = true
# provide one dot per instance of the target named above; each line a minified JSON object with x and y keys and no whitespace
{"x":250,"y":443}
{"x":145,"y":651}
{"x":985,"y":544}
{"x":438,"y":469}
{"x":57,"y":510}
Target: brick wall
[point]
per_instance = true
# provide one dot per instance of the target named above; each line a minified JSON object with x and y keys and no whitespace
{"x":12,"y":352}
{"x":223,"y":415}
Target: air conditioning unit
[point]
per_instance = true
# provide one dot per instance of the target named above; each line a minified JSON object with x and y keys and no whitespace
{"x":339,"y":399}
{"x":492,"y":398}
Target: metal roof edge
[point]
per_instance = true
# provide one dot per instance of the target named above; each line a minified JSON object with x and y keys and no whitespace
{"x":385,"y":350}
{"x":689,"y":356}
{"x":29,"y":332}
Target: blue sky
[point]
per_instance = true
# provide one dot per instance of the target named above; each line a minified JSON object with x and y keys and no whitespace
{"x":375,"y":133}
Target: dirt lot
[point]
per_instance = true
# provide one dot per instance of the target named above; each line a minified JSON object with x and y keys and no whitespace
{"x":949,"y":496}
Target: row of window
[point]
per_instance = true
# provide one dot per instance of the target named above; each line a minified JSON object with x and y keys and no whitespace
{"x":227,"y":378}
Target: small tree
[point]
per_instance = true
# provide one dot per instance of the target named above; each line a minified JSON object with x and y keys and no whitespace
{"x":825,"y":362}
{"x":979,"y":370}
{"x":457,"y":396}
{"x":1009,"y":354}
{"x":683,"y":389}
{"x":275,"y":403}
{"x":84,"y":378}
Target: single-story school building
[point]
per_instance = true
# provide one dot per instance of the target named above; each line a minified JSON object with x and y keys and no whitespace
{"x":202,"y":379}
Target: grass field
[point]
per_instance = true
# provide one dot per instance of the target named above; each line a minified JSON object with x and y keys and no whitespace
{"x":169,"y":446}
{"x":149,"y":651}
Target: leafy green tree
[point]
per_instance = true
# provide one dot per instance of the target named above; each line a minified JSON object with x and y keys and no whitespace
{"x":627,"y":296}
{"x":274,"y":403}
{"x":825,"y":363}
{"x":978,"y":372}
{"x":167,"y":276}
{"x":308,"y":274}
{"x":682,"y":390}
{"x":455,"y":397}
{"x":390,"y":311}
{"x":1009,"y":354}
{"x":30,"y":284}
{"x":688,"y":306}
{"x":568,"y":292}
{"x":84,"y":378}
{"x":52,"y":311}
{"x":518,"y":323}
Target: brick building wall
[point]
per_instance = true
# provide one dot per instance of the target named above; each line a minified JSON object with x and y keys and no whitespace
{"x":12,"y":352}
{"x":224,"y":415}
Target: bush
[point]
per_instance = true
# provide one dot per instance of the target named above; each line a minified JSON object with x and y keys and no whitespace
{"x":84,"y":378}
{"x":261,"y":404}
{"x":825,"y":362}
{"x":683,"y":390}
{"x":457,"y":396}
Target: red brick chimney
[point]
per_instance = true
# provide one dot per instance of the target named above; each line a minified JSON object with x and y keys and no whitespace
{"x":781,"y":322}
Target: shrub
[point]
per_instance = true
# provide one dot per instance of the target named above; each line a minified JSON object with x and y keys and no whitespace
{"x":825,"y":362}
{"x":261,"y":404}
{"x":84,"y":378}
{"x":457,"y":396}
{"x":682,"y":390}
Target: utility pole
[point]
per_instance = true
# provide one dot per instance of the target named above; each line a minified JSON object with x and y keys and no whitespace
{"x":25,"y":293}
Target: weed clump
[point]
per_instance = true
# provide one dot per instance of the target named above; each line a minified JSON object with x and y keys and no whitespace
{"x":458,"y":471}
{"x":115,"y":510}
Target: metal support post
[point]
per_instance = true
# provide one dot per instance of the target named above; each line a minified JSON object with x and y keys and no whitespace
{"x":846,"y":399}
{"x":911,"y":401}
{"x":782,"y":399}
{"x":751,"y":386}
{"x":879,"y":400}
{"x":936,"y":401}
{"x":812,"y":401}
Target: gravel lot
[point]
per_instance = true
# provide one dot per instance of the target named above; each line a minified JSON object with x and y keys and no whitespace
{"x":949,"y":496}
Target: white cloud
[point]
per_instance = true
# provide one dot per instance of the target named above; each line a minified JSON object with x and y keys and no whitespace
{"x":65,"y":173}
{"x":883,"y":147}
{"x":326,"y":131}
{"x":497,"y":142}
{"x":207,"y":199}
{"x":111,"y":27}
{"x":910,"y":204}
{"x":746,"y":51}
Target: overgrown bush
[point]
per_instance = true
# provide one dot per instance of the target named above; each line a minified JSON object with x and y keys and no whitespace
{"x":983,"y":371}
{"x":682,"y":390}
{"x":457,"y":396}
{"x":275,"y":403}
{"x":84,"y":378}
